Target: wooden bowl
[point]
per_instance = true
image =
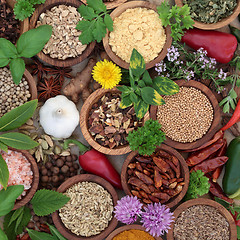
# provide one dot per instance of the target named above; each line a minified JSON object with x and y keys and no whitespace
{"x":31,"y":83}
{"x":118,"y":11}
{"x":128,"y":227}
{"x":204,"y":201}
{"x":45,"y":57}
{"x":83,"y":178}
{"x":84,"y":116}
{"x":35,"y":181}
{"x":211,"y":26}
{"x":184,"y":173}
{"x":111,"y":5}
{"x":216,"y":124}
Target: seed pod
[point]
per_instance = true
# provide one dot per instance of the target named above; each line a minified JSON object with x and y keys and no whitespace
{"x":49,"y":140}
{"x":44,"y":144}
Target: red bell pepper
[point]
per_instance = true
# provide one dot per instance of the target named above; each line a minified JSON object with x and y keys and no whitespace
{"x":219,"y":45}
{"x":97,"y":163}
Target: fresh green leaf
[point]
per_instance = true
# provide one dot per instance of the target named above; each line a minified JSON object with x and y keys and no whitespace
{"x":35,"y":235}
{"x":125,"y":102}
{"x":56,"y":233}
{"x":18,"y":140}
{"x":99,"y":31}
{"x":17,"y":116}
{"x":151,"y":96}
{"x":8,"y":198}
{"x":3,"y":236}
{"x":9,"y":229}
{"x":87,"y":12}
{"x":124,"y":89}
{"x":7,"y":49}
{"x":137,"y":63}
{"x":222,"y":202}
{"x":226,"y":107}
{"x":32,"y":42}
{"x":238,"y":232}
{"x":97,"y":5}
{"x":133,"y":97}
{"x":108,"y":22}
{"x":4,"y":173}
{"x":3,"y":59}
{"x":147,"y":79}
{"x":3,"y":147}
{"x":26,"y":216}
{"x":141,"y":83}
{"x":17,"y":68}
{"x":46,"y":202}
{"x":163,"y":11}
{"x":165,"y":86}
{"x":86,"y":36}
{"x":15,"y":215}
{"x":141,"y":108}
{"x":34,"y":2}
{"x":23,"y":9}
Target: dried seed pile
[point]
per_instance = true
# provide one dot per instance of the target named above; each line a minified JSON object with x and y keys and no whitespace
{"x":156,"y":178}
{"x":64,"y":42}
{"x":109,"y":124}
{"x":89,"y":210}
{"x":201,"y":222}
{"x":186,"y":116}
{"x":12,"y":95}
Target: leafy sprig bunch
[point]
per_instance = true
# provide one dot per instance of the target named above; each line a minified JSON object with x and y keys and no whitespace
{"x":95,"y":23}
{"x":177,"y":17}
{"x":25,"y":8}
{"x":143,"y":90}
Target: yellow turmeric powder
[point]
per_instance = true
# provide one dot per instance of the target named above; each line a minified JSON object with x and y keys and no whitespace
{"x":133,"y":234}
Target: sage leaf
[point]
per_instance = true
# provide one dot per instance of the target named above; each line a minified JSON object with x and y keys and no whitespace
{"x":140,"y":108}
{"x":17,"y":116}
{"x":18,"y":140}
{"x":165,"y":86}
{"x":3,"y":236}
{"x":35,"y":235}
{"x":151,"y":96}
{"x":17,"y":68}
{"x":7,"y":48}
{"x":8,"y":198}
{"x":147,"y":79}
{"x":4,"y":173}
{"x":56,"y":233}
{"x":137,"y":64}
{"x":125,"y":102}
{"x":3,"y":147}
{"x":32,"y":42}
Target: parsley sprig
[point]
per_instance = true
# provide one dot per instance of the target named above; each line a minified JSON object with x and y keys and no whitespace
{"x":95,"y":23}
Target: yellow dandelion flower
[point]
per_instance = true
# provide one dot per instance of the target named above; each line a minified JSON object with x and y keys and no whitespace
{"x":107,"y":74}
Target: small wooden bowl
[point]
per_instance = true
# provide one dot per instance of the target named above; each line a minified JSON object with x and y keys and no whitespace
{"x":204,"y":201}
{"x":31,"y":83}
{"x":35,"y":180}
{"x":128,"y":227}
{"x":45,"y":57}
{"x":184,"y":173}
{"x":85,"y":178}
{"x":118,"y":11}
{"x":212,"y":26}
{"x":84,"y":116}
{"x":111,"y":5}
{"x":216,"y":117}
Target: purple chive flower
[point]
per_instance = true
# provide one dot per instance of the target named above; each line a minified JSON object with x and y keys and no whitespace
{"x":173,"y":54}
{"x":128,"y":209}
{"x":157,"y":219}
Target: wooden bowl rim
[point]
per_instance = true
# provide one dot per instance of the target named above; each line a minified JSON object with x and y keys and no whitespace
{"x":45,"y":57}
{"x":212,"y":26}
{"x":128,"y":227}
{"x":117,"y":12}
{"x":35,"y":180}
{"x":88,"y":178}
{"x":31,"y":83}
{"x":84,"y":115}
{"x":215,"y":123}
{"x":209,"y":202}
{"x":184,"y":173}
{"x":110,"y":5}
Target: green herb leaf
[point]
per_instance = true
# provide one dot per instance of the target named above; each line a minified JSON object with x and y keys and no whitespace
{"x":163,"y":11}
{"x":18,"y":116}
{"x":17,"y":68}
{"x":108,"y":22}
{"x":7,"y":48}
{"x":3,"y":236}
{"x":34,"y":2}
{"x":147,"y":79}
{"x":18,"y":141}
{"x":141,"y":108}
{"x":9,"y":229}
{"x":125,"y":102}
{"x":134,"y":98}
{"x":137,"y":63}
{"x":4,"y":173}
{"x":23,"y":9}
{"x":222,"y":202}
{"x":238,"y":232}
{"x":15,"y":215}
{"x":26,"y":216}
{"x":46,"y":202}
{"x":97,"y":5}
{"x":86,"y":27}
{"x":151,"y":96}
{"x":3,"y":59}
{"x":35,"y":235}
{"x":165,"y":86}
{"x":99,"y":31}
{"x":3,"y":147}
{"x":56,"y":233}
{"x":87,"y":12}
{"x":32,"y":42}
{"x":8,"y":198}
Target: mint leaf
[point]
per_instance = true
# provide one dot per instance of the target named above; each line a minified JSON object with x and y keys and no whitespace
{"x":4,"y":173}
{"x":35,"y":235}
{"x":99,"y":31}
{"x":108,"y":22}
{"x":46,"y":202}
{"x":97,"y":5}
{"x":17,"y":68}
{"x":87,"y":12}
{"x":7,"y":48}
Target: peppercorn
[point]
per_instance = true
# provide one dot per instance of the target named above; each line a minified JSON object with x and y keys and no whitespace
{"x":55,"y":179}
{"x":69,"y":158}
{"x":44,"y":178}
{"x":64,"y":169}
{"x":59,"y":162}
{"x":48,"y":165}
{"x":44,"y":171}
{"x":55,"y":170}
{"x":31,"y":225}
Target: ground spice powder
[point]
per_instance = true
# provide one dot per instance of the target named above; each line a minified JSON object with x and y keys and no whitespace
{"x":134,"y":234}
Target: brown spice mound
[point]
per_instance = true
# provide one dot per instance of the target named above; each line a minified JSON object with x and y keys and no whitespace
{"x":186,"y":116}
{"x":201,"y":222}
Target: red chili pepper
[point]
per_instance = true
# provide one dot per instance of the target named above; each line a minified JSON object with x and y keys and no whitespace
{"x":219,"y":45}
{"x":97,"y":163}
{"x":234,"y":119}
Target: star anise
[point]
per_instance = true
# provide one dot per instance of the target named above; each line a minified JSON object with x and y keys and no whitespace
{"x":61,"y":73}
{"x":48,"y":88}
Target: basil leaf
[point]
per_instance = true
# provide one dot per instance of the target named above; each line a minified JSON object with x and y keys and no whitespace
{"x":3,"y":236}
{"x":35,"y":235}
{"x":32,"y":42}
{"x":4,"y":60}
{"x":4,"y":173}
{"x":7,"y":48}
{"x":17,"y":68}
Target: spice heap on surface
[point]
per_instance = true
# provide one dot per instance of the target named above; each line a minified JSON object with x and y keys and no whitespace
{"x":133,"y":234}
{"x":211,"y":11}
{"x":186,"y":116}
{"x":64,"y":42}
{"x":109,"y":124}
{"x":89,"y":210}
{"x":138,"y":28}
{"x":156,"y":178}
{"x":20,"y":172}
{"x":201,"y":222}
{"x":12,"y":95}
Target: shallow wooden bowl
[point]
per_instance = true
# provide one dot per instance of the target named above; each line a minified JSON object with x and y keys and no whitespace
{"x":212,"y":26}
{"x":84,"y":116}
{"x":45,"y":57}
{"x":83,"y":178}
{"x":111,"y":5}
{"x":31,"y":83}
{"x":118,"y":11}
{"x":184,"y":173}
{"x":35,"y":181}
{"x":204,"y":201}
{"x":216,"y":124}
{"x":128,"y":227}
